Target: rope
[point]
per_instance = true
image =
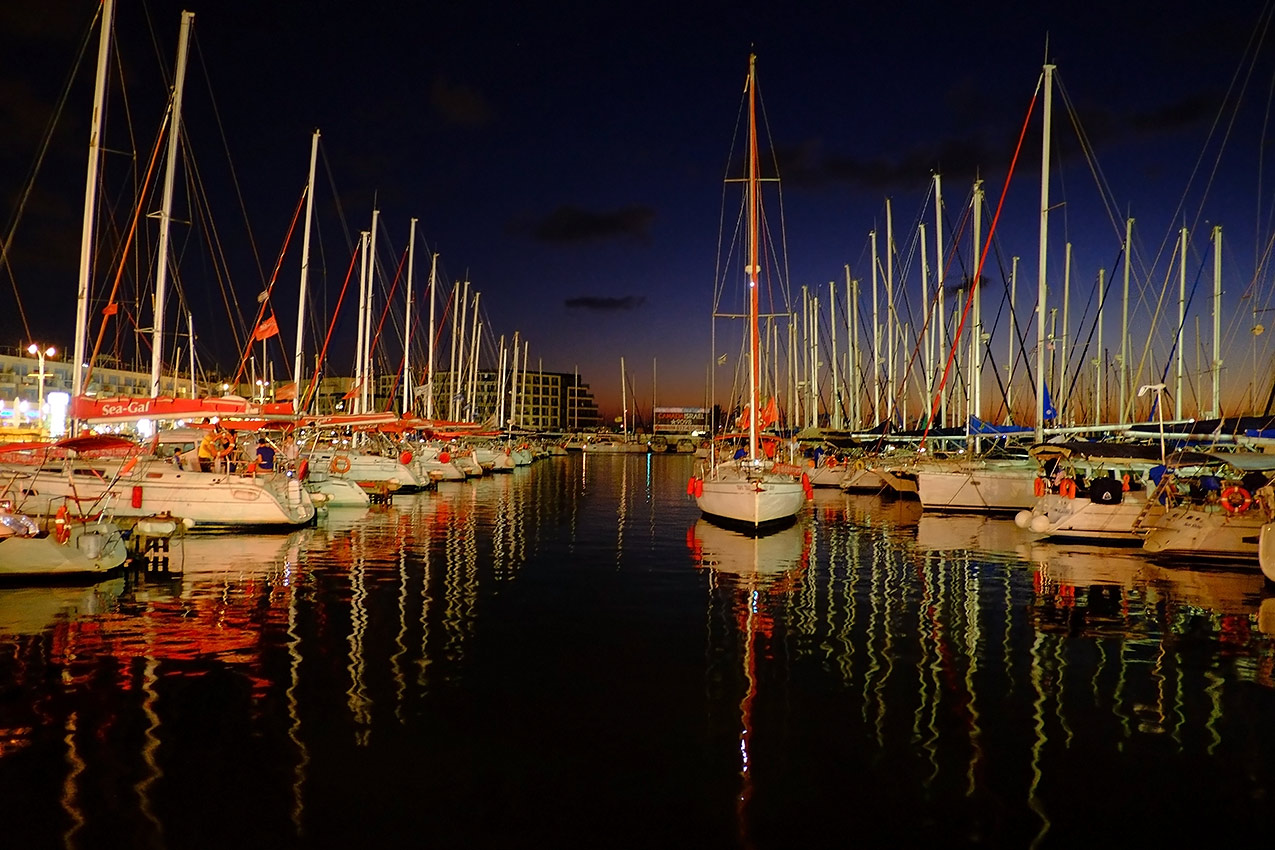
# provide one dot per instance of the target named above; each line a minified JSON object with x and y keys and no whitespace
{"x":978,"y":272}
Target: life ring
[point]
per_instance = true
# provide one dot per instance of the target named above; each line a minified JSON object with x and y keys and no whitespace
{"x":340,"y":465}
{"x":1067,"y":488}
{"x":222,"y":444}
{"x":859,"y":466}
{"x":1038,"y":486}
{"x":831,"y":462}
{"x":61,"y":526}
{"x":1236,"y":500}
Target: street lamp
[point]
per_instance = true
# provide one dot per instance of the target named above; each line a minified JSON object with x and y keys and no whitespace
{"x":41,"y":353}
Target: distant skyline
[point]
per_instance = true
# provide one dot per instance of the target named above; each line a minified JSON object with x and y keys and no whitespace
{"x":568,"y":161}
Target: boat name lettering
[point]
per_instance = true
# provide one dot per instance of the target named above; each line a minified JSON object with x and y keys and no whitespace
{"x":113,"y":409}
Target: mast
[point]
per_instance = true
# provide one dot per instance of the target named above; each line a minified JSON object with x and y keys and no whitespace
{"x":836,"y":383}
{"x":940,"y":326}
{"x":459,"y":367}
{"x":90,"y":200}
{"x":1044,"y":242}
{"x":852,"y":377}
{"x":876,"y":336}
{"x":500,"y":384}
{"x":360,"y":378}
{"x":927,"y":333}
{"x":407,"y":321}
{"x":1064,"y":401}
{"x":753,"y":204}
{"x":1099,"y":385}
{"x":972,"y":390}
{"x":1216,"y":367}
{"x":1124,"y":324}
{"x":165,"y":215}
{"x":429,"y":372}
{"x":1177,"y":383}
{"x":891,"y":320}
{"x":624,"y":401}
{"x":369,"y":395}
{"x":1013,"y":332}
{"x":473,"y":362}
{"x":305,"y":272}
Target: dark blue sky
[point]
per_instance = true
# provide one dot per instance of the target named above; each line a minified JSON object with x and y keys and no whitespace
{"x":568,"y":157}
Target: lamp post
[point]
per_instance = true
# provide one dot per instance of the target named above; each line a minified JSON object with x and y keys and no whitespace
{"x":40,"y":354}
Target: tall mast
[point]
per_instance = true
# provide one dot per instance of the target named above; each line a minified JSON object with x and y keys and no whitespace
{"x":369,"y":395}
{"x":940,"y":328}
{"x":1177,"y":383}
{"x":1216,"y":367}
{"x":165,"y":216}
{"x":1099,"y":384}
{"x":513,"y":383}
{"x":459,"y":367}
{"x":360,"y":377}
{"x":973,"y":394}
{"x":836,"y":382}
{"x":1124,"y":323}
{"x":891,"y":320}
{"x":90,"y":200}
{"x":407,"y":321}
{"x":876,"y":337}
{"x":927,"y":334}
{"x":753,"y":203}
{"x":305,"y":272}
{"x":429,"y":369}
{"x":1044,"y":242}
{"x":1062,"y":402}
{"x":473,"y":360}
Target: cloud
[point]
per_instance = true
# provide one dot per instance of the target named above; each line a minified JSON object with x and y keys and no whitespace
{"x":605,"y":304}
{"x":570,"y":223}
{"x":460,"y":105}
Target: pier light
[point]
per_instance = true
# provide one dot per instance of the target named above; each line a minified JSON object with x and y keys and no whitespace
{"x":58,"y":404}
{"x":41,"y":352}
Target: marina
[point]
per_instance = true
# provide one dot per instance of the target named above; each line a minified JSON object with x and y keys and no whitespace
{"x":570,"y":655}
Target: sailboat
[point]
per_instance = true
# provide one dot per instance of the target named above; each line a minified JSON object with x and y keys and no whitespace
{"x":752,"y":489}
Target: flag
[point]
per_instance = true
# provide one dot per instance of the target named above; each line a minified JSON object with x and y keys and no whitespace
{"x":769,"y":414}
{"x":110,"y":309}
{"x":353,"y":393}
{"x":268,"y":328}
{"x":287,"y":392}
{"x":721,"y":361}
{"x":1050,"y":412}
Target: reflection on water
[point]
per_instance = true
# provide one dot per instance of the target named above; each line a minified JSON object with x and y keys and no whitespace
{"x":460,"y":664}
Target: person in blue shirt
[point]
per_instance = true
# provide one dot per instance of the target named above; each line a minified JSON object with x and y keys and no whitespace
{"x":265,"y":455}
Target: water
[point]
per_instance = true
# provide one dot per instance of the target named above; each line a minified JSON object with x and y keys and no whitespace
{"x":569,"y":656}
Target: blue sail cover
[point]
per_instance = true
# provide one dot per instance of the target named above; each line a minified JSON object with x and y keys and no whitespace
{"x":978,"y":426}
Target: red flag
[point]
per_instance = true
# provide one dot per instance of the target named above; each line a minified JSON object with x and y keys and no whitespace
{"x":110,"y":309}
{"x":352,"y":394}
{"x":287,"y":392}
{"x":266,"y":329}
{"x":769,"y":414}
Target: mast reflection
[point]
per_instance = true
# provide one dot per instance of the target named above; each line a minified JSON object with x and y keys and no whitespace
{"x":751,"y":576}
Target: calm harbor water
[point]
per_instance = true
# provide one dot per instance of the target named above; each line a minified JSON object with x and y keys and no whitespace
{"x":570,"y":656}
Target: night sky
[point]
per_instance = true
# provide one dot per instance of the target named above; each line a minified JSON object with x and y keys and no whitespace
{"x":568,"y":158}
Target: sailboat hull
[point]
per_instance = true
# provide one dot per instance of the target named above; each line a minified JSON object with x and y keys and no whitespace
{"x":745,"y":498}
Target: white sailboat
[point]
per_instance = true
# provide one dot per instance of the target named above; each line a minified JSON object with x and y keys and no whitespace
{"x":752,"y":489}
{"x":1216,"y":504}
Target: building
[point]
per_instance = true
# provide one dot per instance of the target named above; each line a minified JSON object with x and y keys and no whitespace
{"x":545,"y":401}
